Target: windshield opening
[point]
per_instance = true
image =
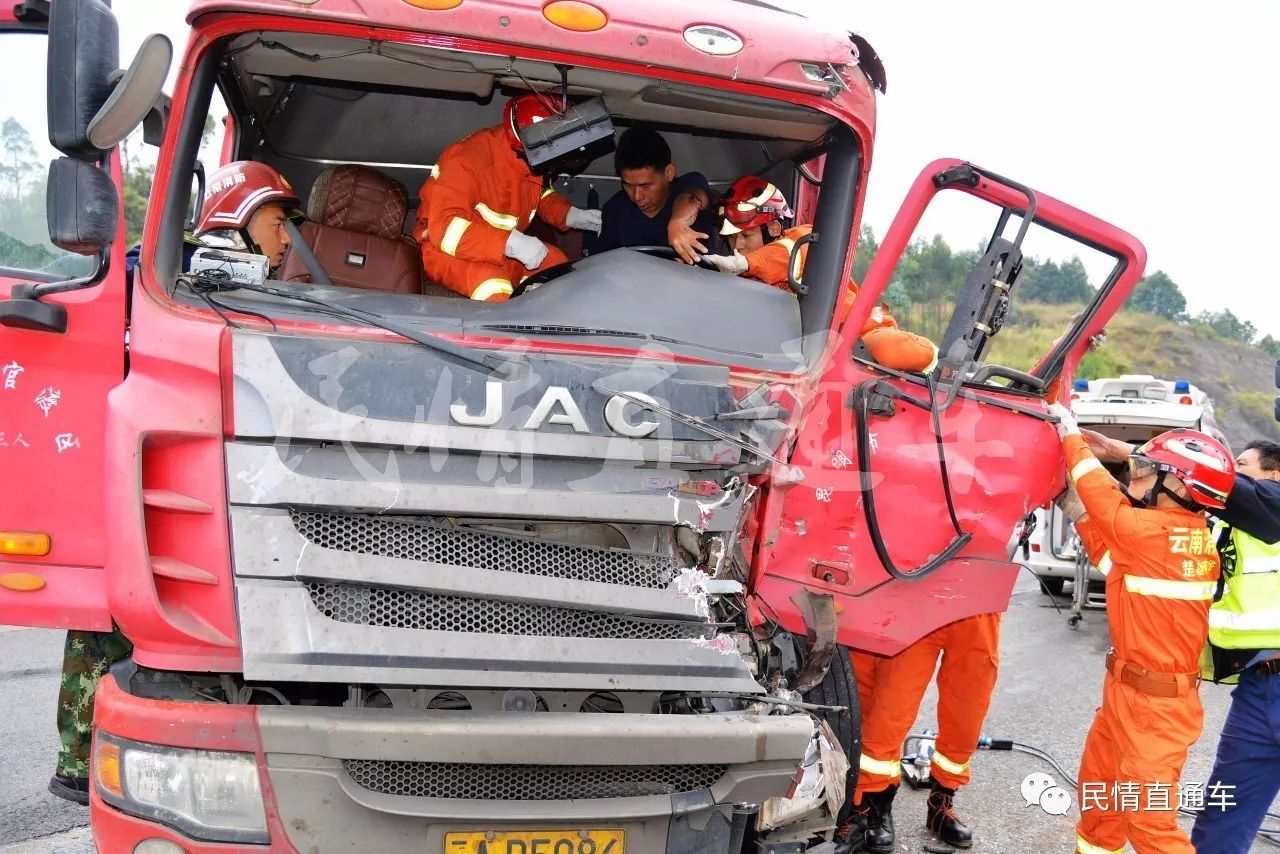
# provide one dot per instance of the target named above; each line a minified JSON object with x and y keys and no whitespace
{"x":357,"y":128}
{"x":1060,"y":284}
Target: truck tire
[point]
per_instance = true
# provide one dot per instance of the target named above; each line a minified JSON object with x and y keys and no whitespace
{"x":840,"y":688}
{"x":1051,"y":585}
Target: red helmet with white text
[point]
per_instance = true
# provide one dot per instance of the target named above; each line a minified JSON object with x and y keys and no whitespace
{"x":1203,"y":465}
{"x":234,"y":193}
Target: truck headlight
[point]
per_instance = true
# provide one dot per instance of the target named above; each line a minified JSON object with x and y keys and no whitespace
{"x":206,"y":794}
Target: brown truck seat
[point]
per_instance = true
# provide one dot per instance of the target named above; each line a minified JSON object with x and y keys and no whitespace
{"x":354,"y":219}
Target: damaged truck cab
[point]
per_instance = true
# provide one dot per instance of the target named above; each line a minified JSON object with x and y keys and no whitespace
{"x":575,"y":572}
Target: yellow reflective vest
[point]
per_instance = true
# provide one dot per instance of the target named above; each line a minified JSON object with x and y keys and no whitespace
{"x":1247,"y":616}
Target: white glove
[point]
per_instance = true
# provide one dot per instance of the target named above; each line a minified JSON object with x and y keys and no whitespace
{"x":1069,"y":502}
{"x":583,"y":219}
{"x":529,"y":251}
{"x":734,"y":265}
{"x":1067,"y":425}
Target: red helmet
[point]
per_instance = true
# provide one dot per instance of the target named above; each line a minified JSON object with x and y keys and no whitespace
{"x":236,"y":191}
{"x":1202,"y":463}
{"x":524,"y":110}
{"x":750,"y":202}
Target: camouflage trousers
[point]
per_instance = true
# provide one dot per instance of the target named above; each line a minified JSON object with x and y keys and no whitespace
{"x":86,"y":657}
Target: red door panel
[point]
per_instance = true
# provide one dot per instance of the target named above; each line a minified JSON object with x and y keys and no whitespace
{"x":847,"y":491}
{"x":53,"y":403}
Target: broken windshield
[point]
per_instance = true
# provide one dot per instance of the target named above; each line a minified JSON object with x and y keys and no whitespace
{"x":314,"y":99}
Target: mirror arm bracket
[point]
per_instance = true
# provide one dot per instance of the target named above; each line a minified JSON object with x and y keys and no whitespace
{"x":24,"y":310}
{"x":99,"y":273}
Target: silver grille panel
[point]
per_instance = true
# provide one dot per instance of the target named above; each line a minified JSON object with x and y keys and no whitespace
{"x":411,"y":540}
{"x":410,"y":609}
{"x":463,"y":781}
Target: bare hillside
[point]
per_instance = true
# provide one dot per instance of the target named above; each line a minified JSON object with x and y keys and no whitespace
{"x":1239,"y":377}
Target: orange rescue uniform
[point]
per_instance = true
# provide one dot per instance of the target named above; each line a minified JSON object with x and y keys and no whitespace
{"x":890,"y":690}
{"x":1161,"y":567}
{"x":889,"y":346}
{"x":477,"y":194}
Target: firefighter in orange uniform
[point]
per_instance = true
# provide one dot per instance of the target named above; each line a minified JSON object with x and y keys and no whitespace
{"x":480,"y":198}
{"x":1161,"y":565}
{"x":753,"y":212}
{"x":890,"y":690}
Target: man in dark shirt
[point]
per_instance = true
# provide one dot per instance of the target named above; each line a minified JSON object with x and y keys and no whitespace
{"x":655,"y":206}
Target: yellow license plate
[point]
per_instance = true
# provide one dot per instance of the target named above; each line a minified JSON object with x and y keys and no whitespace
{"x":536,"y":842}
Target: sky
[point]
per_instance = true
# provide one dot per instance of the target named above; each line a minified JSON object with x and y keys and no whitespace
{"x":1158,"y":117}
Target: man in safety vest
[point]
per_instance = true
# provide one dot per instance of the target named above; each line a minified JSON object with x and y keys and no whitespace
{"x":1151,"y":541}
{"x":1244,"y":647}
{"x":481,"y":198}
{"x":755,"y":214}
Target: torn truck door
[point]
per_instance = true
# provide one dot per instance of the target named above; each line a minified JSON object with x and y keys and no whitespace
{"x":910,"y":485}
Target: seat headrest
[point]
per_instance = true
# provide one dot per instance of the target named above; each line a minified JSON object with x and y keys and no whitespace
{"x":358,"y":198}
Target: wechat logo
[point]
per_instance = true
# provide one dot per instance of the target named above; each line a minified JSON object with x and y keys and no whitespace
{"x":1042,"y":790}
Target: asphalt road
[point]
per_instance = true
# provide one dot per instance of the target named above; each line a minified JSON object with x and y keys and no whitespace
{"x":1050,"y":683}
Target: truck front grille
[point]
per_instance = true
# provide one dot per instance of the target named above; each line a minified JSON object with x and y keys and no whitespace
{"x":462,"y":781}
{"x":453,"y":546}
{"x":393,"y":607}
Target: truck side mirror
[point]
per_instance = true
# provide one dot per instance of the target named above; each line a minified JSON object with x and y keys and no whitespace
{"x":92,"y":106}
{"x":135,"y":95}
{"x":83,"y":210}
{"x":84,"y":51}
{"x":82,"y":206}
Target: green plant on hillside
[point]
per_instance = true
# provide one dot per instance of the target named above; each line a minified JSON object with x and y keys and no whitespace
{"x":1253,"y":405}
{"x":1225,"y":324}
{"x":1158,"y":294}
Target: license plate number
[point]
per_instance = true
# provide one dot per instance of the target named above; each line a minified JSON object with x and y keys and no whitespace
{"x":536,"y":842}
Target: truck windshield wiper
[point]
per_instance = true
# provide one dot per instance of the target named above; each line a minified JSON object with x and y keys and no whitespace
{"x":560,"y":329}
{"x":503,"y":367}
{"x":645,"y":402}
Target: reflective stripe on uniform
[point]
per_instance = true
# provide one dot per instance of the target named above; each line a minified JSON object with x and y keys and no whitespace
{"x":790,"y":245}
{"x":1083,"y":467}
{"x":1249,"y":621}
{"x":947,"y":765}
{"x":933,"y":363}
{"x":1083,"y":846}
{"x":1104,"y":562}
{"x":880,"y":767}
{"x":453,"y":235}
{"x":546,"y":193}
{"x":1164,"y":588}
{"x":1254,"y":563}
{"x":492,"y":287}
{"x":506,"y":222}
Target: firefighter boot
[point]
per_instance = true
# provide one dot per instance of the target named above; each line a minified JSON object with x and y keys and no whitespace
{"x":942,"y":818}
{"x":871,"y":825}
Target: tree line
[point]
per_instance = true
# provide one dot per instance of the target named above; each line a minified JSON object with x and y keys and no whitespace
{"x":23,"y":182}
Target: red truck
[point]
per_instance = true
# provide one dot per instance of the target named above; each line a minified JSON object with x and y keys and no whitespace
{"x":572,"y":573}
